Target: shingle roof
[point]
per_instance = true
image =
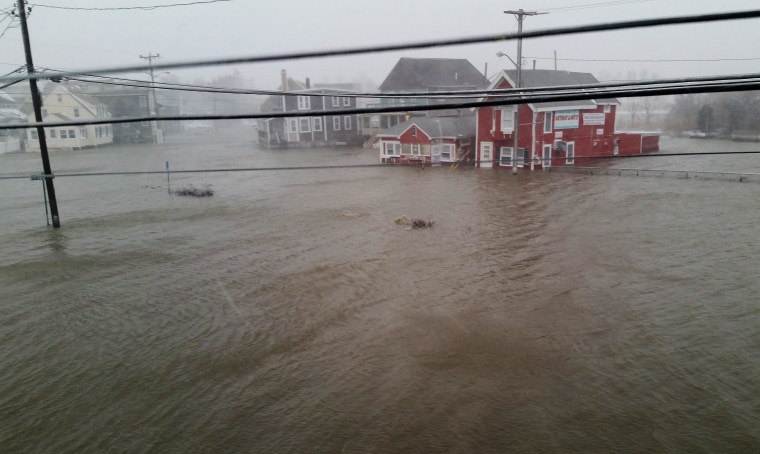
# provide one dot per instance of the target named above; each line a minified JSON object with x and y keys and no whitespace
{"x":424,"y":73}
{"x":435,"y":127}
{"x":534,"y":78}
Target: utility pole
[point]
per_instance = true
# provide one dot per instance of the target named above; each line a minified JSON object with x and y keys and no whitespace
{"x":519,"y":15}
{"x":37,"y":104}
{"x":153,"y":124}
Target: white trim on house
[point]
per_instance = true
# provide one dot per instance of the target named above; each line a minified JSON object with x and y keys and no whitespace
{"x":569,"y":153}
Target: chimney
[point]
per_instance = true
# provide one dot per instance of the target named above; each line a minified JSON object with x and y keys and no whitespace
{"x":284,"y":83}
{"x":308,"y":83}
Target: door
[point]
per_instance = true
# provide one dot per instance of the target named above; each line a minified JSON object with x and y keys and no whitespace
{"x":546,"y":162}
{"x":486,"y":154}
{"x":435,"y":154}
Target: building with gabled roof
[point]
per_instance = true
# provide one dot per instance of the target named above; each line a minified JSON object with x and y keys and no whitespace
{"x":331,"y":128}
{"x":427,"y":141}
{"x":65,"y":102}
{"x":552,"y":133}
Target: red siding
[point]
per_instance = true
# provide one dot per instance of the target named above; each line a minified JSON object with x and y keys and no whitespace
{"x":408,"y":137}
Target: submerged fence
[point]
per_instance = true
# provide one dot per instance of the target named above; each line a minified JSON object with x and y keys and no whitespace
{"x":739,"y":177}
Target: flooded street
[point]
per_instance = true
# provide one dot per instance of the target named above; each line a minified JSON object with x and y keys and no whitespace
{"x":544,"y":312}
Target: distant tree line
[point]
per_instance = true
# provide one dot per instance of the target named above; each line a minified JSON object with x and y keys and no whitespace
{"x":720,"y":113}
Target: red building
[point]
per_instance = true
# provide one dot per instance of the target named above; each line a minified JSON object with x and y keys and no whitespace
{"x":553,"y":133}
{"x":428,"y":141}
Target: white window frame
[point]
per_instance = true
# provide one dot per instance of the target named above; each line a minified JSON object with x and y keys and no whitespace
{"x":548,"y":122}
{"x":336,"y":101}
{"x":416,"y":149}
{"x":445,"y":148}
{"x":392,"y":148}
{"x":63,"y":134}
{"x":304,"y":124}
{"x":346,"y":101}
{"x":607,"y":108}
{"x":317,"y":124}
{"x":569,"y":153}
{"x":52,"y":133}
{"x":76,"y":112}
{"x":72,"y":134}
{"x":507,"y":125}
{"x":506,"y":155}
{"x":292,"y":126}
{"x":83,"y":133}
{"x":336,"y":123}
{"x":44,"y":112}
{"x":304,"y":102}
{"x":347,"y":122}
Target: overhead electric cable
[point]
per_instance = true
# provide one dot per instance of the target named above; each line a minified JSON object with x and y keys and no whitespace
{"x":560,"y":9}
{"x":121,"y":8}
{"x":443,"y":93}
{"x":522,"y":99}
{"x":640,"y":23}
{"x":648,"y":60}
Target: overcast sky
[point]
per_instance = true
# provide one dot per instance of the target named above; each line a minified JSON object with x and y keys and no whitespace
{"x":70,"y":39}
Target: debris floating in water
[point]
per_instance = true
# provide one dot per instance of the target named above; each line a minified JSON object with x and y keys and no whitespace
{"x":415,"y":223}
{"x":193,"y":191}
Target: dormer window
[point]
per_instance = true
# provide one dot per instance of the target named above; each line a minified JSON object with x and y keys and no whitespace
{"x":304,"y":103}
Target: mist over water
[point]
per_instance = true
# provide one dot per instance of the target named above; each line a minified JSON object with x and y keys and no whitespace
{"x":544,"y":312}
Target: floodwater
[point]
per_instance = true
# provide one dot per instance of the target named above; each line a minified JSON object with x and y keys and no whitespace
{"x":544,"y":312}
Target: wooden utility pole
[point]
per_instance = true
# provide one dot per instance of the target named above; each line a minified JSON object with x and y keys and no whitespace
{"x":37,"y":104}
{"x":519,"y":15}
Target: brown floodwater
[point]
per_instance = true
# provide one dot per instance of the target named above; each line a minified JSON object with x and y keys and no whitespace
{"x":543,"y":312}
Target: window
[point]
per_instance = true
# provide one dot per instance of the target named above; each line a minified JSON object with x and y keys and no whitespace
{"x":416,"y":149}
{"x":63,"y":134}
{"x":336,"y":123}
{"x":570,"y":153}
{"x":505,"y":156}
{"x":547,"y":122}
{"x":33,"y":134}
{"x":335,"y":101}
{"x":72,"y":134}
{"x":347,"y":123}
{"x":607,"y":108}
{"x":52,"y":133}
{"x":347,"y":101}
{"x":304,"y":124}
{"x":304,"y":103}
{"x":414,"y":131}
{"x":507,"y":120}
{"x":317,"y":123}
{"x":392,"y":148}
{"x":446,"y":151}
{"x":293,"y":125}
{"x":76,"y":112}
{"x":44,"y":112}
{"x":83,"y":133}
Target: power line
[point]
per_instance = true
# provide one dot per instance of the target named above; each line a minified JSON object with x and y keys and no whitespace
{"x":640,"y":23}
{"x":121,"y":8}
{"x":648,"y":60}
{"x":594,"y":5}
{"x":581,"y":95}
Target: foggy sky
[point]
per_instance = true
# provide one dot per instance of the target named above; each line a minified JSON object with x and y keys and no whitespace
{"x":80,"y":39}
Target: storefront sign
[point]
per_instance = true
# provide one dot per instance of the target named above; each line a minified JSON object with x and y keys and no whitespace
{"x":593,"y":119}
{"x":566,"y":119}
